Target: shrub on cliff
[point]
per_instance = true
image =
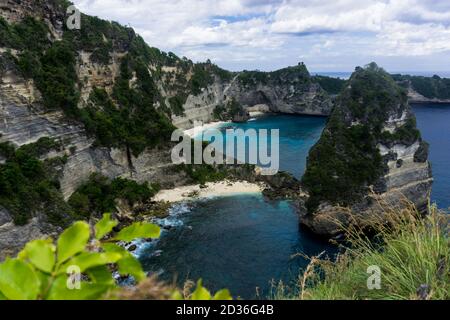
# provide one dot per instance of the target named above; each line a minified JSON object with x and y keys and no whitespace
{"x":29,"y":185}
{"x":411,"y":252}
{"x":99,"y":194}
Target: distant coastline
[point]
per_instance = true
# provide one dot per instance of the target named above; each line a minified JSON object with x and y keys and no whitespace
{"x":345,"y":75}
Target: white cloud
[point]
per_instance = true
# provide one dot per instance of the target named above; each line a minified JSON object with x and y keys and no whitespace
{"x":243,"y":33}
{"x":400,"y":27}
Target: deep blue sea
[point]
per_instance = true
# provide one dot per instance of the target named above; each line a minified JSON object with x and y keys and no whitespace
{"x":433,"y":121}
{"x":244,"y":243}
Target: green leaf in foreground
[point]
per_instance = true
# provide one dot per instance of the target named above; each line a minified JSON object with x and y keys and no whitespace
{"x":200,"y":292}
{"x":104,"y":226}
{"x":128,"y":265}
{"x":18,"y":281}
{"x":60,"y":290}
{"x":101,"y":275}
{"x":223,"y":295}
{"x":87,"y":260}
{"x":139,"y":230}
{"x":73,"y":241}
{"x":41,"y":253}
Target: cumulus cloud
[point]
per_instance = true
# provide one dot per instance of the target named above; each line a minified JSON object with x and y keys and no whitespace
{"x":400,"y":27}
{"x":242,"y":33}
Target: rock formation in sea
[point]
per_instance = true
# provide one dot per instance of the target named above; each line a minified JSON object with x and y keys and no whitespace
{"x":370,"y":155}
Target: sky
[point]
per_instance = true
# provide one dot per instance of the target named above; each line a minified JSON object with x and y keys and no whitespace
{"x":327,"y":35}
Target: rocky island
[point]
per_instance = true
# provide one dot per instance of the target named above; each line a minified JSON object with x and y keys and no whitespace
{"x":370,"y":153}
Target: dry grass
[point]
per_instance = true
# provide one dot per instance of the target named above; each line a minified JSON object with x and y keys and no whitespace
{"x":149,"y":289}
{"x":411,"y":251}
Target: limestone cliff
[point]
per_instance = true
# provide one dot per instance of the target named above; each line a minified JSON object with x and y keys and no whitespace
{"x":370,"y":155}
{"x":289,"y":90}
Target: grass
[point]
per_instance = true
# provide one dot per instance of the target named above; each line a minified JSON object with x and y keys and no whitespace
{"x":411,"y":251}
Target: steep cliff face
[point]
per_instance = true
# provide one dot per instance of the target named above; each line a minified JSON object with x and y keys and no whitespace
{"x":289,"y":90}
{"x":370,"y":155}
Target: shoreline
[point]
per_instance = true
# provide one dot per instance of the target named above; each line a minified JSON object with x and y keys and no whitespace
{"x":198,"y":129}
{"x":213,"y":189}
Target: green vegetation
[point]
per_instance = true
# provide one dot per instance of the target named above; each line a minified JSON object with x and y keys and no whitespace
{"x":29,"y":185}
{"x":298,"y":73}
{"x":341,"y":165}
{"x":130,"y":120}
{"x":430,"y":87}
{"x":29,"y":34}
{"x":43,"y":270}
{"x":57,"y":78}
{"x":203,"y":173}
{"x":294,"y":74}
{"x":176,"y":104}
{"x":412,"y":253}
{"x":406,"y":134}
{"x":330,"y":84}
{"x":228,"y":112}
{"x":346,"y":160}
{"x":99,"y":195}
{"x":200,"y":79}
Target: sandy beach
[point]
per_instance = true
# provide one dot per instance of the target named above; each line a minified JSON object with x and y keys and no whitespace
{"x":215,"y":189}
{"x":212,"y":125}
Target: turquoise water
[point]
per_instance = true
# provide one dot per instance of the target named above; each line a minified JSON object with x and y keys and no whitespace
{"x":244,"y":242}
{"x":297,"y":134}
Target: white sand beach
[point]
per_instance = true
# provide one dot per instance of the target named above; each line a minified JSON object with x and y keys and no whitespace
{"x":215,"y":189}
{"x":212,"y":125}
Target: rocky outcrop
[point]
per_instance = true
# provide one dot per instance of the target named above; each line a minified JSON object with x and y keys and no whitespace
{"x":289,"y":90}
{"x":370,"y":157}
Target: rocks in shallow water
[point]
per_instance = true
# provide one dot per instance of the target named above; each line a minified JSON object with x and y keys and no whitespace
{"x":132,"y":248}
{"x":241,"y":117}
{"x":281,"y":185}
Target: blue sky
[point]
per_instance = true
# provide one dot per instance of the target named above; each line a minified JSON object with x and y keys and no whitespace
{"x":328,"y":35}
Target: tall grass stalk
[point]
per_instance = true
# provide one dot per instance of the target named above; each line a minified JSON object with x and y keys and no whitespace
{"x":412,"y":252}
